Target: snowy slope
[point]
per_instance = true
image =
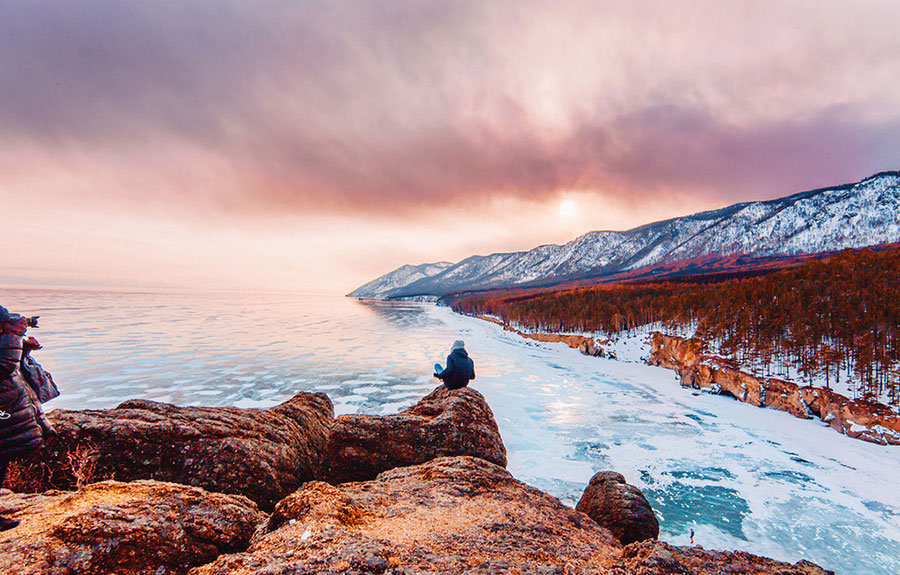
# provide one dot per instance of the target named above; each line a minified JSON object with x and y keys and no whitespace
{"x":397,"y":279}
{"x":848,"y":216}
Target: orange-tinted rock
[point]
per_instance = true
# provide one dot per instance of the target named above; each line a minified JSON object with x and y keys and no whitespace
{"x":444,"y":423}
{"x":263,"y":454}
{"x":584,"y":344}
{"x":872,"y":422}
{"x":869,"y":421}
{"x":658,"y":558}
{"x":675,"y":353}
{"x":785,"y":396}
{"x":619,"y":507}
{"x":449,"y":516}
{"x":144,"y":527}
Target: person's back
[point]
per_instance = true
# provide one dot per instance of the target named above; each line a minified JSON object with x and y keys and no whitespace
{"x":460,"y":367}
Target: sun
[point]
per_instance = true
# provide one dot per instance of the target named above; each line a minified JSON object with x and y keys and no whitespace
{"x":567,"y":209}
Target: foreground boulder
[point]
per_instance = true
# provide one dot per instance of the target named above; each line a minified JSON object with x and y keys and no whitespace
{"x":143,"y":527}
{"x":451,"y":515}
{"x":656,"y":558}
{"x":263,"y":454}
{"x":619,"y":507}
{"x":444,"y":423}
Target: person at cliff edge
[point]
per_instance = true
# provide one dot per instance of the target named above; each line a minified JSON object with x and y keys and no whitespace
{"x":460,"y":367}
{"x":22,"y":423}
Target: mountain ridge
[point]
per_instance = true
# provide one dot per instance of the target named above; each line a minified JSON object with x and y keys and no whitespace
{"x":825,"y":219}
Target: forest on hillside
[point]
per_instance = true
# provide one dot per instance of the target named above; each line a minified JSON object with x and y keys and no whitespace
{"x":832,"y":318}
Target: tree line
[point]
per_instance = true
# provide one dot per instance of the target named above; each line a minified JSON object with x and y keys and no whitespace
{"x":828,"y":318}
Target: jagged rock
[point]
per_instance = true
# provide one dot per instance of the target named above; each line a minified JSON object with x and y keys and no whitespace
{"x":619,"y":507}
{"x":138,"y":528}
{"x":864,"y":420}
{"x":450,"y":516}
{"x":674,"y":352}
{"x":263,"y":454}
{"x":870,"y":422}
{"x":658,"y":558}
{"x":444,"y":423}
{"x":758,"y":391}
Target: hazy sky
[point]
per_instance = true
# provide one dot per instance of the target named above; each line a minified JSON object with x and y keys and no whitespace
{"x":315,"y":145}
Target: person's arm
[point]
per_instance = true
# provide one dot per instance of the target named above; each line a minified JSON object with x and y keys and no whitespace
{"x":449,"y":370}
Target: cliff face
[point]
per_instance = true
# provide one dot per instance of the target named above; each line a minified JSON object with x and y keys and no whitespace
{"x":445,"y":422}
{"x":420,"y":512}
{"x":871,"y":422}
{"x":263,"y":454}
{"x":584,"y":344}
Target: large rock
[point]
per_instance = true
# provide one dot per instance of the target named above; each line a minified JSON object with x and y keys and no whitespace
{"x":674,"y":352}
{"x":449,"y":516}
{"x":444,"y":423}
{"x":263,"y":454}
{"x":759,"y":391}
{"x":619,"y":507}
{"x":144,"y":527}
{"x":658,"y":558}
{"x":864,"y":420}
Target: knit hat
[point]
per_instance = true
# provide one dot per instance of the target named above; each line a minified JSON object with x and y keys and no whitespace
{"x":458,"y":344}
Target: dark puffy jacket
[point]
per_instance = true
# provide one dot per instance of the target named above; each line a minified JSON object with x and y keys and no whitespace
{"x":460,"y":369}
{"x":20,"y":431}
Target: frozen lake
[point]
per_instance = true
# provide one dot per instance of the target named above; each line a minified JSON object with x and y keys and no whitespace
{"x":742,"y":477}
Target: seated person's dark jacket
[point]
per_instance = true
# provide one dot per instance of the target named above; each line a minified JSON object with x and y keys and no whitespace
{"x":460,"y":369}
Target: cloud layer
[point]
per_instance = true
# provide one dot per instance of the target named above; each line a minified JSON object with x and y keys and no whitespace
{"x":384,"y":106}
{"x":150,"y":135}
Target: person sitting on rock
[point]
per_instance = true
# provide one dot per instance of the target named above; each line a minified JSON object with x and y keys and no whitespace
{"x":460,"y":367}
{"x":20,"y":428}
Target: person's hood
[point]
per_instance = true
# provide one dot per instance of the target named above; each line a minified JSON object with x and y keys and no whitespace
{"x":460,"y":351}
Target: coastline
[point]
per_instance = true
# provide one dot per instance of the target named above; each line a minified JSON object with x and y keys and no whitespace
{"x":563,"y":415}
{"x":868,"y":421}
{"x":432,"y":497}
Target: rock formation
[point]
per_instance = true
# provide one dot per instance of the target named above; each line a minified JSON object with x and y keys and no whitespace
{"x":584,"y":344}
{"x":619,"y":507}
{"x":446,"y":422}
{"x":450,"y":516}
{"x":864,"y":420}
{"x":657,"y":558}
{"x":143,"y":527}
{"x":263,"y":454}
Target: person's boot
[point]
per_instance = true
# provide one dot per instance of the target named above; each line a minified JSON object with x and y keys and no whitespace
{"x":6,"y":523}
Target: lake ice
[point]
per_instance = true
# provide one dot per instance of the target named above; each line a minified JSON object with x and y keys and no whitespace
{"x":742,"y":477}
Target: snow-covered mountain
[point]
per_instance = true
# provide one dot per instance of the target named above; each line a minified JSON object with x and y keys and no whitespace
{"x":398,"y":279}
{"x":824,"y":220}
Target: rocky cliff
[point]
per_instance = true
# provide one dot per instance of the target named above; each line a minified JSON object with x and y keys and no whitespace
{"x":445,"y":422}
{"x":436,"y":499}
{"x":864,"y":420}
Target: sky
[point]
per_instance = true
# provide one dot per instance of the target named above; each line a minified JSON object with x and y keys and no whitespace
{"x":312,"y":146}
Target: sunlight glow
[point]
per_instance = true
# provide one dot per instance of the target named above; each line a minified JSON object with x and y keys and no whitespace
{"x":568,"y":209}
